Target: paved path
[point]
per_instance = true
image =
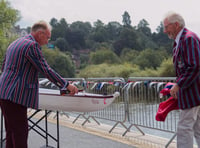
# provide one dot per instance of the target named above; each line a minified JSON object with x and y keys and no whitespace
{"x":92,"y":135}
{"x":72,"y":138}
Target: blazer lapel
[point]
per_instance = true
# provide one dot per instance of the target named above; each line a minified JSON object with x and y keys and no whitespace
{"x":176,"y":52}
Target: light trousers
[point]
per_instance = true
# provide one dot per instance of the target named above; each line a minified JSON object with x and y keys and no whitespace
{"x":188,"y":128}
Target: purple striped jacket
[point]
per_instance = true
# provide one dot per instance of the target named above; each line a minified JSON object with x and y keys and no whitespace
{"x":186,"y":61}
{"x":19,"y":79}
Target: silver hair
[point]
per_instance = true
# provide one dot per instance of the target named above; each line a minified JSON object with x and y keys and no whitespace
{"x":41,"y":25}
{"x":173,"y":17}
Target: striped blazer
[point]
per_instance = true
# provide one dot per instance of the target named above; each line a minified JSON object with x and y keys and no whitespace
{"x":186,"y":59}
{"x":19,"y":79}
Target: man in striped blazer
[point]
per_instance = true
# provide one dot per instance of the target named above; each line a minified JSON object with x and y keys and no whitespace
{"x":19,"y":82}
{"x":186,"y":59}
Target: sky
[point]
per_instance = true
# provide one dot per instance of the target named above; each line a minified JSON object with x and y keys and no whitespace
{"x":152,"y":11}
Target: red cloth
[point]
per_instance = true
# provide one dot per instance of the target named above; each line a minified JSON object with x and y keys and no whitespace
{"x":165,"y":91}
{"x":165,"y":107}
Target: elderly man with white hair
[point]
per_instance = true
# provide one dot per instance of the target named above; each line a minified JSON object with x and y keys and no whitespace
{"x":186,"y":59}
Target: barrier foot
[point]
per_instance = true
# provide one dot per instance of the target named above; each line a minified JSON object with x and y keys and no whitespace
{"x":83,"y":115}
{"x":166,"y":146}
{"x":116,"y":125}
{"x":87,"y":120}
{"x":130,"y":128}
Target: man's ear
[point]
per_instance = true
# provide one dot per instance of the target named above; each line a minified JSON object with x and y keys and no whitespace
{"x":177,"y":25}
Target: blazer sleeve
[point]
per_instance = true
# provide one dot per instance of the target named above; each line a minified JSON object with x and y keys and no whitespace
{"x":191,"y":56}
{"x":35,"y":56}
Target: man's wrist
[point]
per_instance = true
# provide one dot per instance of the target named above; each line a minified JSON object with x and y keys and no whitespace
{"x":66,"y":85}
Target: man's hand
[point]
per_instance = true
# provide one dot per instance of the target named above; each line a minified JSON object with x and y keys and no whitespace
{"x":174,"y":91}
{"x":73,"y":89}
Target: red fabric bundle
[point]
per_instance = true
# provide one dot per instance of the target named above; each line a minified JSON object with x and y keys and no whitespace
{"x":166,"y":106}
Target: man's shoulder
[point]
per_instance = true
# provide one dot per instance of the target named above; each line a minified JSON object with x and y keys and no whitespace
{"x":23,"y":42}
{"x":29,"y":37}
{"x":189,"y":34}
{"x":28,"y":40}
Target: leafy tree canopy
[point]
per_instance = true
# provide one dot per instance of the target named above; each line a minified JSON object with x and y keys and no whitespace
{"x":126,"y":19}
{"x":60,"y":62}
{"x":104,"y":56}
{"x":8,"y":18}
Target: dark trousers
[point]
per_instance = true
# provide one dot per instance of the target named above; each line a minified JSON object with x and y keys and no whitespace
{"x":16,"y":124}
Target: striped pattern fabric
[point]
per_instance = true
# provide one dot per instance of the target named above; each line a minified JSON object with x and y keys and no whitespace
{"x":19,"y":79}
{"x":186,"y":61}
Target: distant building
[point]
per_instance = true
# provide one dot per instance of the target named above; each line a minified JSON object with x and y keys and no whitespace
{"x":23,"y":32}
{"x":20,"y":32}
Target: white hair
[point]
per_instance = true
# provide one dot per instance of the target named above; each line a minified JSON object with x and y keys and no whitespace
{"x":41,"y":25}
{"x":173,"y":17}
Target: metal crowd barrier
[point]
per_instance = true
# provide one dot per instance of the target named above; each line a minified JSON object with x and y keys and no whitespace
{"x":116,"y":111}
{"x":143,"y":100}
{"x":143,"y":95}
{"x":137,"y":104}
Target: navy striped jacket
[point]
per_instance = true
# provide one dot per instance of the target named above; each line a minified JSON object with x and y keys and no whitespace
{"x":19,"y":79}
{"x":186,"y":60}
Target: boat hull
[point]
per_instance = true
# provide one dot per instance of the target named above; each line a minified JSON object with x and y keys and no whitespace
{"x":81,"y":102}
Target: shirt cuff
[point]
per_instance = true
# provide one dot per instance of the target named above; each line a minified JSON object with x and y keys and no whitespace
{"x":65,"y":86}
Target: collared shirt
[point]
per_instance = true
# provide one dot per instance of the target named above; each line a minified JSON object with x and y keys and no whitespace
{"x":178,"y":38}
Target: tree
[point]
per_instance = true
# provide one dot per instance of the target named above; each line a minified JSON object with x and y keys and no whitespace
{"x":98,"y":24}
{"x":129,"y":55}
{"x":62,"y":44}
{"x":60,"y":62}
{"x":162,"y":39}
{"x":104,"y":56}
{"x":75,"y":38}
{"x":8,"y":17}
{"x":84,"y":58}
{"x":166,"y":68}
{"x":146,"y":41}
{"x":113,"y":29}
{"x":126,"y":19}
{"x":150,"y":58}
{"x":53,"y":22}
{"x":59,"y":29}
{"x":127,"y":39}
{"x":78,"y":35}
{"x":99,"y":33}
{"x":143,"y":27}
{"x":84,"y":27}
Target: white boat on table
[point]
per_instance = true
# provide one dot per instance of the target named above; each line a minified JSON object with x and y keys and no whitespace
{"x":50,"y":99}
